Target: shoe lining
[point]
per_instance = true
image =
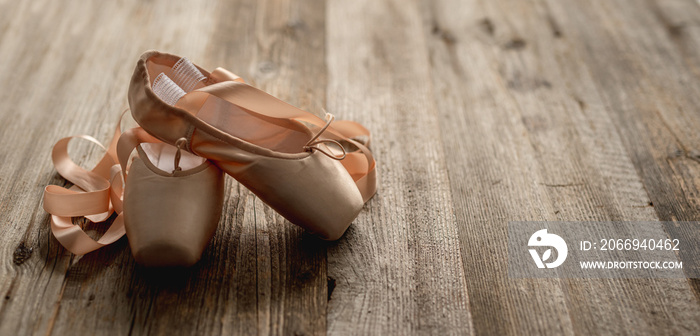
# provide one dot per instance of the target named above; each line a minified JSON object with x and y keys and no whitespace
{"x":167,"y":90}
{"x":185,"y":75}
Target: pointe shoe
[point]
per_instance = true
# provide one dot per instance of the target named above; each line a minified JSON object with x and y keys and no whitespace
{"x":172,"y":201}
{"x":291,"y":159}
{"x":169,"y":206}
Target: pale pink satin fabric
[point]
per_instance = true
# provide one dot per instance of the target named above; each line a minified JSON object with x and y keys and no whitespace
{"x":96,"y":194}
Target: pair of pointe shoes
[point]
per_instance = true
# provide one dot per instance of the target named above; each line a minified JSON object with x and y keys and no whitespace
{"x":195,"y":126}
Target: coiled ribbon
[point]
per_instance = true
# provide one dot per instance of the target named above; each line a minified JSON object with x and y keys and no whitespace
{"x":95,"y":195}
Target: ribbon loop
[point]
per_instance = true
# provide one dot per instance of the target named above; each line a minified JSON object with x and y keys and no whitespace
{"x":312,"y":144}
{"x":181,"y":143}
{"x":94,"y":195}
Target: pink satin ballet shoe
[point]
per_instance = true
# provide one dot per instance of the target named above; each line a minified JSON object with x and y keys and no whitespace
{"x":172,"y":201}
{"x":291,"y":159}
{"x":169,"y":206}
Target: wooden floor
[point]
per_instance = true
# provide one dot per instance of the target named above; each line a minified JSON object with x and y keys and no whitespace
{"x":483,"y":112}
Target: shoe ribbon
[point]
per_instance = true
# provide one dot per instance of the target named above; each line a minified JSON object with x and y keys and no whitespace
{"x":313,"y":143}
{"x":96,"y":194}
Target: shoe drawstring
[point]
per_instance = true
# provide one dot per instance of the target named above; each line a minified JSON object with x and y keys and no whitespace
{"x":312,"y":144}
{"x":180,"y":143}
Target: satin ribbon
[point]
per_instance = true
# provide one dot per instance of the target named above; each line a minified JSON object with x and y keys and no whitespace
{"x":95,"y":195}
{"x":312,"y":144}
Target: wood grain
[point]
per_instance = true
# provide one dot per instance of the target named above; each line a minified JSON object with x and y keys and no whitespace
{"x":544,"y":143}
{"x":396,"y":268}
{"x":482,"y":112}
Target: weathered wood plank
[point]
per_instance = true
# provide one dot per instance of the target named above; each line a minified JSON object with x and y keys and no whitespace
{"x":396,"y":270}
{"x":542,"y":144}
{"x":653,"y":53}
{"x":63,"y":75}
{"x":289,"y":62}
